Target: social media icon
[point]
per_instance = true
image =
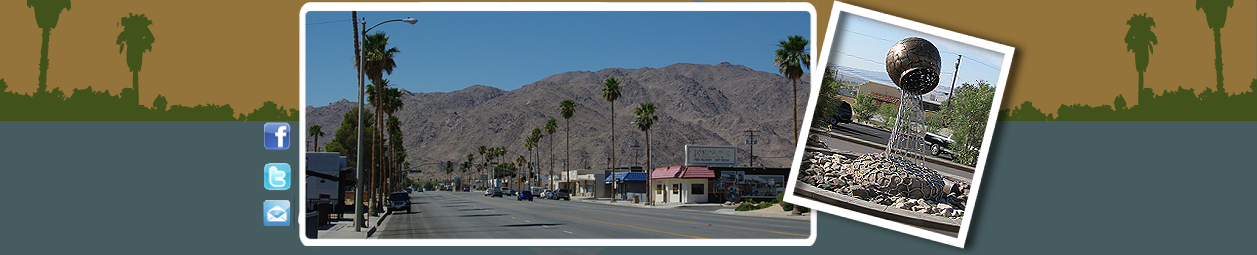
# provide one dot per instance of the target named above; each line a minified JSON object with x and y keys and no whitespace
{"x":276,"y":136}
{"x":275,"y":213}
{"x":277,"y":176}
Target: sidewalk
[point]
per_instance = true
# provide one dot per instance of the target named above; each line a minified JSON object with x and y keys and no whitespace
{"x":707,"y":208}
{"x":344,"y":229}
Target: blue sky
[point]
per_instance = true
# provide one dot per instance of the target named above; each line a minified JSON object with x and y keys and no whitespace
{"x":449,"y":51}
{"x":863,"y":43}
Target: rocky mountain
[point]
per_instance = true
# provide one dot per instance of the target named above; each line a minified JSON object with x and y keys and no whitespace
{"x":696,"y":104}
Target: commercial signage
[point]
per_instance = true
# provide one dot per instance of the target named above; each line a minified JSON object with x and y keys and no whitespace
{"x":711,"y":155}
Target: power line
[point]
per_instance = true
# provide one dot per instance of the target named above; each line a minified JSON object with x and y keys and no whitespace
{"x":326,"y":22}
{"x":874,"y":37}
{"x":985,"y":64}
{"x":865,"y":59}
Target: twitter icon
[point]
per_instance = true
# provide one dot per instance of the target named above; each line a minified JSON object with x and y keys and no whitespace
{"x":277,"y":176}
{"x":275,"y":213}
{"x":276,"y":135}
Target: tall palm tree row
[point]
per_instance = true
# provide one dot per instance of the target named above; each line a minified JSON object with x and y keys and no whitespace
{"x":135,"y":38}
{"x":551,"y":126}
{"x":376,"y":97}
{"x":377,"y":58}
{"x":1215,"y":14}
{"x":792,"y":58}
{"x":645,"y":120}
{"x":611,"y":92}
{"x":567,"y":109}
{"x":47,"y":14}
{"x":1139,"y":39}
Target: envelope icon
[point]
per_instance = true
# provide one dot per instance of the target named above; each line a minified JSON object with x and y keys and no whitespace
{"x":277,"y":214}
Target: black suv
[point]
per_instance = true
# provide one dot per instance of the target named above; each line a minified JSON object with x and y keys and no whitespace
{"x":561,"y":194}
{"x":399,"y":201}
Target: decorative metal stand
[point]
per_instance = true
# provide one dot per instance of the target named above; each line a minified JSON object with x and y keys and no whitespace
{"x":913,"y":64}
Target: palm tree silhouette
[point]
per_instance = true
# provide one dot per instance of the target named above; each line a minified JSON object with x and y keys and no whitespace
{"x":315,"y":131}
{"x":135,"y":38}
{"x":645,"y":119}
{"x":611,"y":92}
{"x":47,"y":14}
{"x":567,"y":109}
{"x":1139,"y":39}
{"x":1215,"y":14}
{"x":792,"y":57}
{"x":551,"y":126}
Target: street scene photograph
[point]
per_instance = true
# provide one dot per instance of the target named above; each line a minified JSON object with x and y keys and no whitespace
{"x":651,"y":123}
{"x":900,"y":125}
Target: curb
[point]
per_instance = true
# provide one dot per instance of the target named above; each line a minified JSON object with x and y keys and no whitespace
{"x":869,"y":208}
{"x":931,"y":159}
{"x":379,"y":224}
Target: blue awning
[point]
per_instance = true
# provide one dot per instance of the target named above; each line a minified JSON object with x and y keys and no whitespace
{"x":627,"y":177}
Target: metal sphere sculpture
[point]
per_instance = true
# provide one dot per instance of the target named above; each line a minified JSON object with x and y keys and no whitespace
{"x":913,"y":64}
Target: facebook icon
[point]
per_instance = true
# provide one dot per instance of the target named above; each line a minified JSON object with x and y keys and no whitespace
{"x":276,"y":136}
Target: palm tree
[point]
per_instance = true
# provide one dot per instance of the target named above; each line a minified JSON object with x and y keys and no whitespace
{"x":315,"y":131}
{"x":470,"y":158}
{"x":530,"y":142}
{"x":135,"y":38}
{"x":611,"y":92}
{"x":551,"y":126}
{"x":1139,"y":39}
{"x":567,"y":108}
{"x":449,"y":168}
{"x":47,"y":13}
{"x":378,"y":56}
{"x":645,"y":119}
{"x":792,"y":57}
{"x":1215,"y":14}
{"x":482,"y":150}
{"x":519,"y":163}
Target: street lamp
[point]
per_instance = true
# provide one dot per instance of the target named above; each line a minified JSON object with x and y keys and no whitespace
{"x":358,"y":190}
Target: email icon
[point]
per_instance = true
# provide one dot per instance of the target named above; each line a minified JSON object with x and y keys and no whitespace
{"x":275,"y":213}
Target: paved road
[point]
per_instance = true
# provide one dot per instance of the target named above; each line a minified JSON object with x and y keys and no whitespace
{"x":471,"y":215}
{"x":849,"y":146}
{"x":873,"y":134}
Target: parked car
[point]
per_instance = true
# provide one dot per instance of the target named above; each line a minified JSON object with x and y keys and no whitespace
{"x":399,"y":201}
{"x":939,"y":144}
{"x":524,"y":194}
{"x":562,"y":194}
{"x":496,"y":193}
{"x":510,"y":192}
{"x":488,"y":192}
{"x":841,"y":114}
{"x":545,"y":194}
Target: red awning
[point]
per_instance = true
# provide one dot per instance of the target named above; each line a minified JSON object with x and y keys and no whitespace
{"x":682,"y":172}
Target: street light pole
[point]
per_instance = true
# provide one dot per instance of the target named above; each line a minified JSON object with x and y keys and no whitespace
{"x":358,"y":189}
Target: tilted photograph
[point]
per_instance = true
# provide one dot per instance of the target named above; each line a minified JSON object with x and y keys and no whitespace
{"x":544,"y":124}
{"x":899,"y":129}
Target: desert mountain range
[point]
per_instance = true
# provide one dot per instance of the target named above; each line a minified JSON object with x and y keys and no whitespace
{"x":696,"y":103}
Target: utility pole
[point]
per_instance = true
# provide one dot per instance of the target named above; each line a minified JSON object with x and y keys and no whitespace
{"x":636,"y":149}
{"x":953,"y":81}
{"x":750,"y":140}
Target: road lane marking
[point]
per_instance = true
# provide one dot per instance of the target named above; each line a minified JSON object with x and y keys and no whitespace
{"x":598,"y":221}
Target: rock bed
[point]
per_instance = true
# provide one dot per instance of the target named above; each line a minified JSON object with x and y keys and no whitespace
{"x":887,"y":181}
